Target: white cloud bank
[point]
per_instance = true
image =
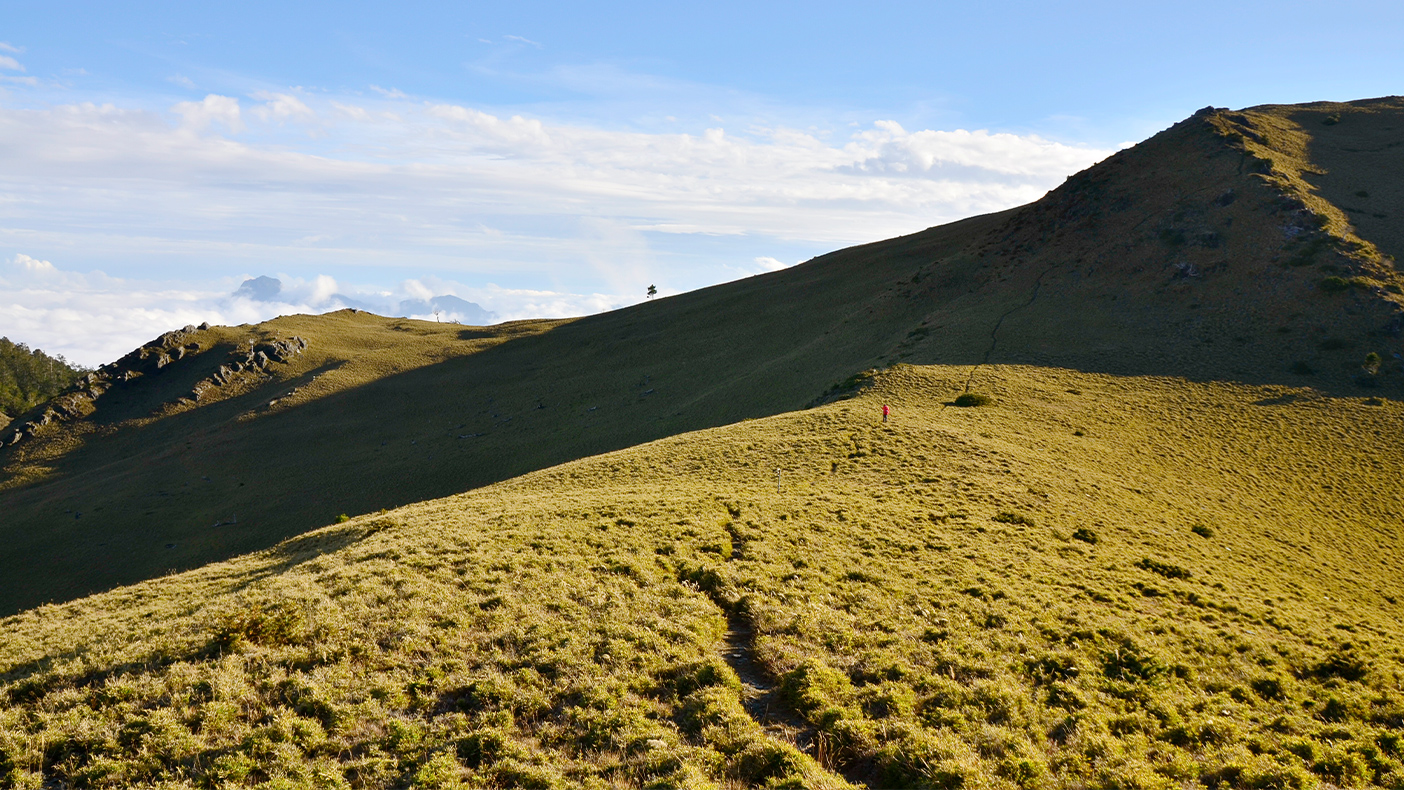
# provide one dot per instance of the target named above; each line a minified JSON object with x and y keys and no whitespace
{"x":92,"y":318}
{"x":387,"y":188}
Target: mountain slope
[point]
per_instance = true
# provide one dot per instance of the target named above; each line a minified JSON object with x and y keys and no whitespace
{"x":1215,"y":251}
{"x":1097,"y":581}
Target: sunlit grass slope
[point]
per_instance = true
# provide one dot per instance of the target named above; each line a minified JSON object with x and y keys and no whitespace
{"x":1234,"y":246}
{"x":1093,"y":581}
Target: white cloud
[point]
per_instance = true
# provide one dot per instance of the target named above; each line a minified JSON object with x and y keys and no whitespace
{"x":523,"y":41}
{"x":392,"y":93}
{"x":182,"y":81}
{"x":280,"y":107}
{"x":93,"y":319}
{"x":567,"y":217}
{"x":199,"y":116}
{"x":5,"y":46}
{"x":771,"y":264}
{"x":7,"y":62}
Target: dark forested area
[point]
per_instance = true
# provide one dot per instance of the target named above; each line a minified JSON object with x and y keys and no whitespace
{"x":29,"y":376}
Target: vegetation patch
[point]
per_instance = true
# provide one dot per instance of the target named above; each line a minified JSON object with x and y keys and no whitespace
{"x":968,"y":399}
{"x":1165,"y":569}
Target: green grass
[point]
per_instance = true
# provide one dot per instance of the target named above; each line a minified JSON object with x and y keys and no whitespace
{"x":578,"y":626}
{"x":384,"y":412}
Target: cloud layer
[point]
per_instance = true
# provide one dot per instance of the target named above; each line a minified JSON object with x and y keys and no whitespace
{"x":92,"y":318}
{"x":382,"y":188}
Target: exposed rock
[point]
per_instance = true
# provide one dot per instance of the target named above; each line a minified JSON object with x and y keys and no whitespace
{"x":152,"y":358}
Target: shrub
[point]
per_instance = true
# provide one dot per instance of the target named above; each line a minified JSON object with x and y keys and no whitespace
{"x":967,"y":399}
{"x":1007,"y":517}
{"x":1085,"y":535}
{"x":1127,"y":663}
{"x":1163,"y":568}
{"x":1334,"y":284}
{"x":1202,"y":531}
{"x":1267,"y":688}
{"x":1344,"y":663}
{"x":275,"y":625}
{"x":343,"y":518}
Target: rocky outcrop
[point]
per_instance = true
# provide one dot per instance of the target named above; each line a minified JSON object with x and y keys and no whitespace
{"x":250,"y":359}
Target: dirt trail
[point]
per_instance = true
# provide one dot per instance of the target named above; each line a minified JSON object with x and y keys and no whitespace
{"x":761,"y":695}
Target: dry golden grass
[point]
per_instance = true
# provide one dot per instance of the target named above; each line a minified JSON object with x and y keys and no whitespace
{"x":1093,"y":581}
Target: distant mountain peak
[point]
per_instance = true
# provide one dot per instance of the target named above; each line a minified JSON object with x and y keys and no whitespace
{"x":261,"y":289}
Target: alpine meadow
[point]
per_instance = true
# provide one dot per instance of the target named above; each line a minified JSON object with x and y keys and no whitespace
{"x":1134,"y":520}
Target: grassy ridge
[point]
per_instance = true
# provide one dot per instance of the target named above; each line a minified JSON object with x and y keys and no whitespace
{"x":1093,"y":581}
{"x":1222,"y":249}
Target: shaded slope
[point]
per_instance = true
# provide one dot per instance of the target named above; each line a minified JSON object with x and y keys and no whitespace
{"x":1203,"y":252}
{"x":389,"y":411}
{"x":1096,"y":582}
{"x":1212,"y":251}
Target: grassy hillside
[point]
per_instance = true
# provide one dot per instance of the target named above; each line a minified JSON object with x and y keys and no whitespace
{"x":1093,"y":581}
{"x":29,"y":377}
{"x":1222,"y":249}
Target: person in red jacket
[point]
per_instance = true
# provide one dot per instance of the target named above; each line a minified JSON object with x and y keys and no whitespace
{"x":884,"y":412}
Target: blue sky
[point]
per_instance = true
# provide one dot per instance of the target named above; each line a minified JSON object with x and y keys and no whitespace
{"x":555,"y":159}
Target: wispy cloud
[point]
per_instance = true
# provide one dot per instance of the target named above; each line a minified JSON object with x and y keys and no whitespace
{"x":8,"y":47}
{"x":280,"y":107}
{"x":182,"y":81}
{"x":564,"y":216}
{"x":7,"y":62}
{"x":389,"y":93}
{"x":522,"y":40}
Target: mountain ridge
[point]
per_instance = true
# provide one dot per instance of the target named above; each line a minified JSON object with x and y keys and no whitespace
{"x":1203,"y":253}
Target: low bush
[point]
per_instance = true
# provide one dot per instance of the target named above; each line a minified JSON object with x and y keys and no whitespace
{"x":1165,"y":569}
{"x":968,"y":399}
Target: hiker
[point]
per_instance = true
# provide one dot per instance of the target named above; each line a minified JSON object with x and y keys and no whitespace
{"x":884,"y":412}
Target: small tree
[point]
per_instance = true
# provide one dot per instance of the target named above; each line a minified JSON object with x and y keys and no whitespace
{"x":652,"y":291}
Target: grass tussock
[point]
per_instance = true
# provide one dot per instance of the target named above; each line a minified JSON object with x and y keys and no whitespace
{"x":964,"y":604}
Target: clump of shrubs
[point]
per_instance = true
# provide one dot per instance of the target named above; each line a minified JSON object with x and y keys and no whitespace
{"x":1085,"y":535}
{"x":259,"y":625}
{"x":1163,"y":568}
{"x":1008,"y":517}
{"x":967,"y":399}
{"x":1202,"y":530}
